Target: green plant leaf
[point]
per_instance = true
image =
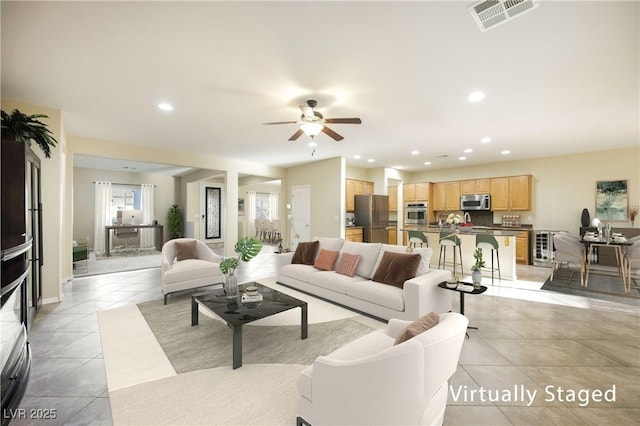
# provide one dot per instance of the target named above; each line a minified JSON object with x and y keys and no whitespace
{"x":228,"y":264}
{"x":248,"y":248}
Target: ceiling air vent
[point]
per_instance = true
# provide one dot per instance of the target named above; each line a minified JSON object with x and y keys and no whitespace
{"x":489,"y":13}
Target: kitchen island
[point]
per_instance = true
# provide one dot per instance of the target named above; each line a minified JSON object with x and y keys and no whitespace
{"x":506,"y":247}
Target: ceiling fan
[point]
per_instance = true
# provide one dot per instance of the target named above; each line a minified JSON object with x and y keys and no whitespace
{"x":312,"y":122}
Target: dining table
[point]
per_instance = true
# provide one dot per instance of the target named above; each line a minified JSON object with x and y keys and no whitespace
{"x":617,"y":242}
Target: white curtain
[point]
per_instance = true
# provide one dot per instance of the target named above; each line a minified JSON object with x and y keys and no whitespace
{"x":250,"y":213}
{"x":274,"y":204}
{"x":147,"y":239}
{"x":102,"y":215}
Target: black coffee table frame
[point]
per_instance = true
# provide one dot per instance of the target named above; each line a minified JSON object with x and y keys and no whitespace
{"x":235,"y":314}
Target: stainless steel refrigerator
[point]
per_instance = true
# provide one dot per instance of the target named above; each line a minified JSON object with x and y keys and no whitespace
{"x":372,"y":213}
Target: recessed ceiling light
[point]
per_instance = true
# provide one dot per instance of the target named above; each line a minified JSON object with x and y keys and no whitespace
{"x":476,"y":96}
{"x":427,"y":163}
{"x":468,"y":150}
{"x":415,"y":152}
{"x":462,"y":158}
{"x":312,"y":144}
{"x":371,"y":160}
{"x":165,"y":106}
{"x":357,"y":156}
{"x":486,"y":139}
{"x":505,"y":152}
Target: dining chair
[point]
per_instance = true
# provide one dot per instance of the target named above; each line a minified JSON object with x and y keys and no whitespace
{"x":632,"y":262}
{"x":568,"y":250}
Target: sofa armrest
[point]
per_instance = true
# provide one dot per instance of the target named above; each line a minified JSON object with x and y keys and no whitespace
{"x":284,"y":259}
{"x":422,"y":294}
{"x":361,"y":399}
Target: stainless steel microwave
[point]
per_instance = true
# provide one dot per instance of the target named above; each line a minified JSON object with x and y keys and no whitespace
{"x":475,"y":202}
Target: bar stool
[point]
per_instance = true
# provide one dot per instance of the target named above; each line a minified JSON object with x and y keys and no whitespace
{"x":448,"y":239}
{"x":417,"y":239}
{"x":489,"y":242}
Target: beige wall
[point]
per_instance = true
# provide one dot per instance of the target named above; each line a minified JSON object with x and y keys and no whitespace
{"x":326,"y":180}
{"x":561,"y":186}
{"x":83,"y":191}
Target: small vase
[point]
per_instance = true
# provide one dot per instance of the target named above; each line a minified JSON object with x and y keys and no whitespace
{"x":231,"y":286}
{"x":280,"y":249}
{"x":585,"y":218}
{"x":476,"y":276}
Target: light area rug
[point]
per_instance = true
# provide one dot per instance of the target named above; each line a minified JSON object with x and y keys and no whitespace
{"x":202,"y":388}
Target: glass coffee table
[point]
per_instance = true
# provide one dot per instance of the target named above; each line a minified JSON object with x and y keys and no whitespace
{"x":235,"y":314}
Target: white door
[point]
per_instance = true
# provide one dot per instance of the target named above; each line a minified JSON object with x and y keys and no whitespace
{"x":300,"y":217}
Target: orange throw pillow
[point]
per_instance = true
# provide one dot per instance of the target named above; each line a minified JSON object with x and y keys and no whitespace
{"x":325,"y":260}
{"x":348,"y":264}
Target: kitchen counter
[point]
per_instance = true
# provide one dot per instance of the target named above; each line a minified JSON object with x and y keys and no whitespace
{"x":506,"y":237}
{"x":495,"y":231}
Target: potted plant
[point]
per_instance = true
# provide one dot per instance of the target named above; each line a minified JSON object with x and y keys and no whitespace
{"x":476,"y":275}
{"x":26,"y":128}
{"x":247,"y":248}
{"x":174,"y":221}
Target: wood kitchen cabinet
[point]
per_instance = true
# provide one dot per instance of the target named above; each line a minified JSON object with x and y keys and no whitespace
{"x":353,"y":234}
{"x":439,"y":198}
{"x":415,"y":192}
{"x":522,"y":248}
{"x":511,"y":193}
{"x":452,"y":190}
{"x":520,"y":192}
{"x":393,"y":235}
{"x":355,"y":187}
{"x":477,"y":186}
{"x":393,"y":198}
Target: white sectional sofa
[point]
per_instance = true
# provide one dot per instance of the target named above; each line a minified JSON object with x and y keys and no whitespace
{"x":419,"y":295}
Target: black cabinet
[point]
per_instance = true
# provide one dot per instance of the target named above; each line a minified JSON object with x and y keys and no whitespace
{"x":21,"y":263}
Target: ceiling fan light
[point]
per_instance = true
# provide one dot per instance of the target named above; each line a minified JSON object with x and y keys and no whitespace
{"x":312,"y":129}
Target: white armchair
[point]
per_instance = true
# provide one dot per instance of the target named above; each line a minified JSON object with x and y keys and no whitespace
{"x":372,"y":382}
{"x":199,"y":271}
{"x":569,"y":250}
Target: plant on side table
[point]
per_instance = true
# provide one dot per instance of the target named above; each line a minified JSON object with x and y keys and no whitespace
{"x":247,"y":248}
{"x":476,"y":275}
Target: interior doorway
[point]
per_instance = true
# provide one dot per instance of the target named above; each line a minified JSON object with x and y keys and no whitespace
{"x":300,"y":217}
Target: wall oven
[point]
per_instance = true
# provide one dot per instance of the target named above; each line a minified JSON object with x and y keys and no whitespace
{"x":415,"y":213}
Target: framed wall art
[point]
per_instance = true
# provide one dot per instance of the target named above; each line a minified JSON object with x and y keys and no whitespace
{"x":612,"y":200}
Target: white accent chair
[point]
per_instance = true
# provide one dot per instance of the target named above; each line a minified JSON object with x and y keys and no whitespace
{"x":189,"y":273}
{"x":372,"y":382}
{"x":570,"y":250}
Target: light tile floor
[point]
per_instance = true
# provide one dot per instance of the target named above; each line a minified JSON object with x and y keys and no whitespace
{"x":526,"y":337}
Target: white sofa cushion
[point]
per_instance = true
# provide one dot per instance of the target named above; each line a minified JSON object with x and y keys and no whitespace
{"x":191,"y":269}
{"x":386,"y":295}
{"x":424,"y":252}
{"x":330,"y":244}
{"x":298,"y":271}
{"x":368,"y":256}
{"x":333,"y":281}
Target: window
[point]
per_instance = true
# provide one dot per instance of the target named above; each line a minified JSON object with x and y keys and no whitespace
{"x":263,"y":205}
{"x":123,"y":198}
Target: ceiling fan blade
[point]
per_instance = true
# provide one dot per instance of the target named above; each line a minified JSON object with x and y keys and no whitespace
{"x":331,"y":133}
{"x":296,"y":135}
{"x":343,"y":120}
{"x":307,"y":111}
{"x":282,"y":122}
